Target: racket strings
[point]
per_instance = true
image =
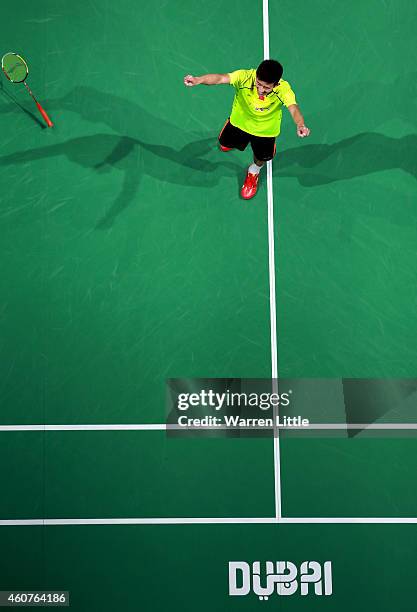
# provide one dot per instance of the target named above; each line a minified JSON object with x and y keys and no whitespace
{"x":14,"y":67}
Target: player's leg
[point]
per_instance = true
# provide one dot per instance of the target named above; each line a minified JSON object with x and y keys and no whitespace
{"x":232,"y":137}
{"x":256,"y":166}
{"x":264,"y":149}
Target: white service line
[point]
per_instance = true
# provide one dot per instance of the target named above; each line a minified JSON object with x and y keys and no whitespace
{"x":272,"y":296}
{"x":140,"y":521}
{"x":209,"y":521}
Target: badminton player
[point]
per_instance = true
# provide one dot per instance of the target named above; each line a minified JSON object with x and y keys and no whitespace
{"x":256,"y":114}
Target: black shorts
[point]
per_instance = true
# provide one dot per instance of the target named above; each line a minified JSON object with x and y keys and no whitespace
{"x":263,"y":147}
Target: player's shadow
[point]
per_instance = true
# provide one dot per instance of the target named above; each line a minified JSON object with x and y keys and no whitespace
{"x":359,"y":155}
{"x":310,"y":165}
{"x":134,"y":158}
{"x":191,"y":158}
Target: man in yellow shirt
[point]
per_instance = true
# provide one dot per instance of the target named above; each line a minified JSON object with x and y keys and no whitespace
{"x":256,"y":114}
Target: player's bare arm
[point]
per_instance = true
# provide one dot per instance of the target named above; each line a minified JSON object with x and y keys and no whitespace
{"x":302,"y":130}
{"x":206,"y":79}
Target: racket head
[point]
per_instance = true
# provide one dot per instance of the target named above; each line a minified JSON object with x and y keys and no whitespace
{"x":14,"y":67}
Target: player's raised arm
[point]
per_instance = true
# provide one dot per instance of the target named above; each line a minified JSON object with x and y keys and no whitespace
{"x":302,"y":130}
{"x":206,"y":79}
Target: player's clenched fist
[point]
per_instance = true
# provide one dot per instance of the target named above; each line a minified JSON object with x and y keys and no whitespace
{"x":190,"y":81}
{"x":302,"y":131}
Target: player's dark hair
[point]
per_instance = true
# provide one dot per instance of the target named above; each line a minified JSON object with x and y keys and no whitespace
{"x":269,"y":71}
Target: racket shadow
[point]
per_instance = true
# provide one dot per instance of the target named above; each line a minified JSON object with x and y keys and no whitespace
{"x":7,"y":95}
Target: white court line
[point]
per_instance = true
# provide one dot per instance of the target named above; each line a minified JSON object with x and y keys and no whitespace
{"x":272,"y":297}
{"x":163,"y":427}
{"x":210,"y":521}
{"x":265,"y":15}
{"x":87,"y":427}
{"x":375,"y":426}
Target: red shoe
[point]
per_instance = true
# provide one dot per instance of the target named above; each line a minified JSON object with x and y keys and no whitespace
{"x":222,"y":148}
{"x":250,"y":186}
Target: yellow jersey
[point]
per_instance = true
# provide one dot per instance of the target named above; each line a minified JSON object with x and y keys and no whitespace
{"x":252,"y":114}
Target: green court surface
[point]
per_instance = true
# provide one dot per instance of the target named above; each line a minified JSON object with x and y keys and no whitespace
{"x":128,"y":258}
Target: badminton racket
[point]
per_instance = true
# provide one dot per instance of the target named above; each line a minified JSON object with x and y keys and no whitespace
{"x":16,"y":70}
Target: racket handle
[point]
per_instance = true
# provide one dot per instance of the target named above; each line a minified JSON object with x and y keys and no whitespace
{"x":44,"y":115}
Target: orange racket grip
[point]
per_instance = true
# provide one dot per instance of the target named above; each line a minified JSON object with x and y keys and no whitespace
{"x":44,"y":115}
